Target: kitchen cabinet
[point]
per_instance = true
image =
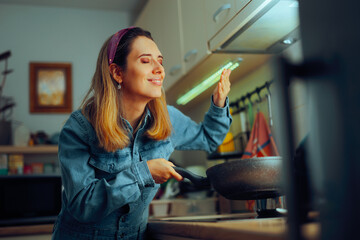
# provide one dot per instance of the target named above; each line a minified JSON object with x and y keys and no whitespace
{"x":219,"y":12}
{"x":165,"y":30}
{"x":183,"y":30}
{"x":246,"y":10}
{"x":34,"y":177}
{"x":194,"y":32}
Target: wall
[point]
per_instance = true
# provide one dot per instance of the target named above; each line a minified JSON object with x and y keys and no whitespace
{"x":240,"y":87}
{"x":46,"y":34}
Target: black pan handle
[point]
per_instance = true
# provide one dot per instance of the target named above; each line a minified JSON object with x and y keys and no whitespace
{"x":197,"y":180}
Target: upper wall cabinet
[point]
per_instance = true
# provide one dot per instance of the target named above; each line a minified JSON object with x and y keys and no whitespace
{"x":182,"y":29}
{"x":219,"y":12}
{"x":161,"y":18}
{"x":193,"y":24}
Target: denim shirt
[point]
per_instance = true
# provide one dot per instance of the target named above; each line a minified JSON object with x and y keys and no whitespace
{"x":107,"y":194}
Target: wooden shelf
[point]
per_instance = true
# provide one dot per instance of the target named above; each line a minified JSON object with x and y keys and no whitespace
{"x":31,"y":175}
{"x":40,"y":149}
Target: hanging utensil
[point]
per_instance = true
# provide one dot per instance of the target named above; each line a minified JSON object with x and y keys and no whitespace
{"x":250,"y":112}
{"x":267,"y":84}
{"x":259,"y":100}
{"x":245,"y":132}
{"x":269,"y":110}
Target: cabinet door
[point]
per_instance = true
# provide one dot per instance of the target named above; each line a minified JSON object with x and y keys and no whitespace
{"x":161,"y":18}
{"x":219,"y":12}
{"x":194,"y":32}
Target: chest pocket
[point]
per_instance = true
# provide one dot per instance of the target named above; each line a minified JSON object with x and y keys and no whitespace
{"x":156,"y":149}
{"x":107,"y":165}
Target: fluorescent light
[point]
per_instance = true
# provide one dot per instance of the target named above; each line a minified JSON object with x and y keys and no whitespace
{"x":288,"y":41}
{"x":208,"y":82}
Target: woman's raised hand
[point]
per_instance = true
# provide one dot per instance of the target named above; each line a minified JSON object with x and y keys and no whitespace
{"x":162,"y":170}
{"x":222,"y":89}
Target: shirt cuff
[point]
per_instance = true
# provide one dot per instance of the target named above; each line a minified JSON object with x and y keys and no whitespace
{"x":144,"y":176}
{"x":220,"y":111}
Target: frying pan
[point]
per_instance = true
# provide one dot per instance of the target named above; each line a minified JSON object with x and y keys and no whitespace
{"x":241,"y":179}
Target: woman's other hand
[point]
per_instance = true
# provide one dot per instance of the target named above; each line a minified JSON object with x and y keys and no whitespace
{"x":222,"y":89}
{"x":162,"y":170}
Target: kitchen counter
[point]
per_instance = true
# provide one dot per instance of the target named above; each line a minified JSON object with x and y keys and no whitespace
{"x":254,"y":229}
{"x":26,"y":230}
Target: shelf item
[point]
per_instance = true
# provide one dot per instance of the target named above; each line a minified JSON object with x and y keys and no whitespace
{"x":16,"y":164}
{"x":23,"y":160}
{"x":4,"y":165}
{"x":37,"y":167}
{"x":40,"y":149}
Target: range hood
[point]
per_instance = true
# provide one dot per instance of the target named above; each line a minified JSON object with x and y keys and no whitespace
{"x":261,"y":27}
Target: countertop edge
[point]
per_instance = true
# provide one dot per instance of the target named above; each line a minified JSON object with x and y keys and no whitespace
{"x":26,"y":230}
{"x":267,"y":229}
{"x":227,"y":230}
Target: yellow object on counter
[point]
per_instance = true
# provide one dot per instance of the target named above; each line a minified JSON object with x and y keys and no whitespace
{"x":228,"y":144}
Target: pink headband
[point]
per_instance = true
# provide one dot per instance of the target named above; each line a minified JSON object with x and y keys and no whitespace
{"x":114,"y":42}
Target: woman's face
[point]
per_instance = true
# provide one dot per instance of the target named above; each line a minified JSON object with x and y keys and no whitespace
{"x":143,"y":78}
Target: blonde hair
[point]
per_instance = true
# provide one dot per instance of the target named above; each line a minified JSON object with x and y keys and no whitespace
{"x":102,"y":107}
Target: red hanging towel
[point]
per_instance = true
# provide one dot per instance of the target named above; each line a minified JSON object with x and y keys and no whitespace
{"x":261,"y":144}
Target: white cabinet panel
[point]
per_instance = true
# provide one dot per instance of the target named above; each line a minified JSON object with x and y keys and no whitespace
{"x":247,"y":9}
{"x":219,"y":12}
{"x":194,"y":32}
{"x":161,"y":18}
{"x":183,"y":29}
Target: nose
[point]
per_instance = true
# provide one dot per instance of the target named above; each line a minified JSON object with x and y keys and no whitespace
{"x":158,"y":68}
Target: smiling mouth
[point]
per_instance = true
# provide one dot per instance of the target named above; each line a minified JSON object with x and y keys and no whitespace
{"x":156,"y":81}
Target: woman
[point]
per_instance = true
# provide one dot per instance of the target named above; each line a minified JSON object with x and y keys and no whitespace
{"x":114,"y":151}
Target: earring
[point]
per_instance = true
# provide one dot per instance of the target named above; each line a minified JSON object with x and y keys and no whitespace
{"x":119,"y":86}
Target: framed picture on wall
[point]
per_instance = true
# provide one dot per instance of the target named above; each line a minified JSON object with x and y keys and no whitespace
{"x":50,"y":87}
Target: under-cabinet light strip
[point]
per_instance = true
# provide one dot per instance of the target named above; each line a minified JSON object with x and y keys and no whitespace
{"x":208,"y":82}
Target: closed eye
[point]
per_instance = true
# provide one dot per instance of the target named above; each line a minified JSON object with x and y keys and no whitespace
{"x":145,"y":60}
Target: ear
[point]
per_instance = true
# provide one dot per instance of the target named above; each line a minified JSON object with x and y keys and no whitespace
{"x":115,"y":72}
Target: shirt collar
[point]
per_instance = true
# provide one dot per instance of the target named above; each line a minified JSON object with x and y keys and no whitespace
{"x":146,"y":118}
